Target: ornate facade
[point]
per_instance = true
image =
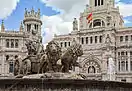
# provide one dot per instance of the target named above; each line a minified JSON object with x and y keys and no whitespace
{"x":12,"y":43}
{"x":104,"y":38}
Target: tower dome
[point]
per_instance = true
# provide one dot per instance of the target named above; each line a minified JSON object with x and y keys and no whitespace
{"x":32,"y":23}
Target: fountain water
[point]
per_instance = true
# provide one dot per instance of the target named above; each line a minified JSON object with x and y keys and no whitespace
{"x":111,"y":69}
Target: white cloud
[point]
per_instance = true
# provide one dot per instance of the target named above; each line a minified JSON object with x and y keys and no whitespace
{"x":117,"y":1}
{"x":6,"y":7}
{"x":125,"y":9}
{"x":54,"y":25}
{"x":127,"y":21}
{"x":62,"y":23}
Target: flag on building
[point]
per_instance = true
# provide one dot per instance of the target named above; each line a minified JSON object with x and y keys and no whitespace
{"x":89,"y":17}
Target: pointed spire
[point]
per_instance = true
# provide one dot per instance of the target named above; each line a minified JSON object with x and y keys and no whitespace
{"x":21,"y":27}
{"x":32,"y":11}
{"x":39,"y":12}
{"x":26,"y":12}
{"x":2,"y":26}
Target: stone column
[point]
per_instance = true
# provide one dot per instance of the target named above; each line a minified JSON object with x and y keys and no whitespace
{"x":129,"y":68}
{"x":117,"y":62}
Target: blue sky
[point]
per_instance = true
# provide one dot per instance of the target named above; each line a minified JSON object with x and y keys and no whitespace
{"x":14,"y":19}
{"x":56,"y":15}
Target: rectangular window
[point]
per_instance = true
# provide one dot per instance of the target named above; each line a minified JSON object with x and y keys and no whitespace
{"x":123,"y":80}
{"x":130,"y":53}
{"x":98,"y":2}
{"x":69,"y":44}
{"x":118,"y":53}
{"x":86,"y":40}
{"x":126,"y":38}
{"x":91,"y":40}
{"x":122,"y":53}
{"x":95,"y":39}
{"x":65,"y":44}
{"x":102,"y":2}
{"x":82,"y":40}
{"x":28,"y":27}
{"x":126,"y":65}
{"x":100,"y":39}
{"x":61,"y":44}
{"x":121,"y":38}
{"x":126,"y":53}
{"x":119,"y":65}
{"x":95,"y":2}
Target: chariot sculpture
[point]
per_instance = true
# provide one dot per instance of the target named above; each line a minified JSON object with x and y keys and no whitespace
{"x":39,"y":60}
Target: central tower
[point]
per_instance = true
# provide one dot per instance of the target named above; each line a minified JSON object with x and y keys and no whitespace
{"x":101,"y":13}
{"x":101,"y":3}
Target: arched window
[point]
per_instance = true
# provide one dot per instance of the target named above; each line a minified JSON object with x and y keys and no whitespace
{"x":16,"y":56}
{"x":7,"y":57}
{"x":11,"y":67}
{"x":12,"y":43}
{"x":91,"y":69}
{"x":97,"y":23}
{"x":28,"y":27}
{"x":16,"y":43}
{"x":121,"y":38}
{"x":126,"y":38}
{"x":7,"y":43}
{"x":122,"y":53}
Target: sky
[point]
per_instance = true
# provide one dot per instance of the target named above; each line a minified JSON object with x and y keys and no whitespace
{"x":56,"y":15}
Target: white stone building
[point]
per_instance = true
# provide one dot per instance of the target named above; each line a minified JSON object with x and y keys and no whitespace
{"x":103,"y":39}
{"x":12,"y":43}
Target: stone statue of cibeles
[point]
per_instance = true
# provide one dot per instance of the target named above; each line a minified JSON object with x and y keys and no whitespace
{"x":75,"y":24}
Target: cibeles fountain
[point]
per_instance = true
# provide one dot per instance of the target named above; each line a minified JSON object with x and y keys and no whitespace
{"x":49,"y":63}
{"x":49,"y":70}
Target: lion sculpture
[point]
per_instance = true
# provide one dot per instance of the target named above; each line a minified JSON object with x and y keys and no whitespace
{"x":53,"y":55}
{"x":70,"y":56}
{"x":48,"y":61}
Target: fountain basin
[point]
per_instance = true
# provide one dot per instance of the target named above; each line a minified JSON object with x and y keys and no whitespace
{"x":41,"y":84}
